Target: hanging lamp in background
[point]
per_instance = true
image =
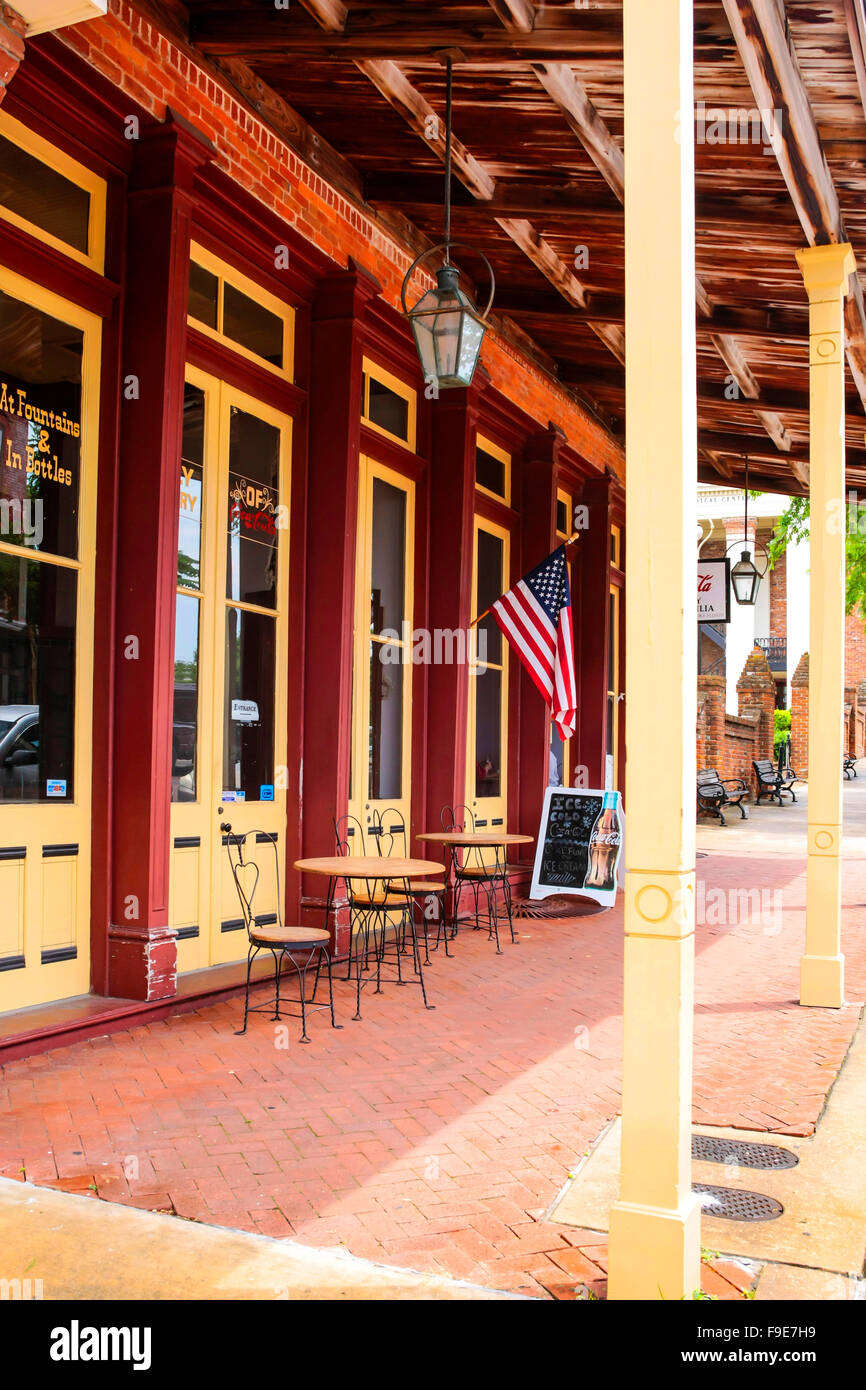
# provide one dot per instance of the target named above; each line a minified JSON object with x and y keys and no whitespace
{"x":745,"y":575}
{"x":447,"y":327}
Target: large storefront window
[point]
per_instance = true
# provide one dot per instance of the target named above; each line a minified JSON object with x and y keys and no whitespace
{"x":40,"y":464}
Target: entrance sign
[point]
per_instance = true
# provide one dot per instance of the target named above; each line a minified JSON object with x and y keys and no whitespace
{"x":580,"y":845}
{"x":245,"y":711}
{"x":714,"y":591}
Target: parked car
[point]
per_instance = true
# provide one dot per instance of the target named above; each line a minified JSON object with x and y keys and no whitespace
{"x":19,"y":747}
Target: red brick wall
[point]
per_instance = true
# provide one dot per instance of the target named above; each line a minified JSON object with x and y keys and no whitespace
{"x":730,"y":742}
{"x":778,"y":599}
{"x":11,"y":46}
{"x":156,"y":71}
{"x":800,"y":716}
{"x":855,"y":649}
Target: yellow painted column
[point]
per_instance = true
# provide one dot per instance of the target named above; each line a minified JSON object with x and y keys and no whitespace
{"x":655,"y":1224}
{"x":825,"y":272}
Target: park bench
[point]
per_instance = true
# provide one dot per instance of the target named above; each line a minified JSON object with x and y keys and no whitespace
{"x":849,"y":767}
{"x":772,"y":781}
{"x":714,"y":794}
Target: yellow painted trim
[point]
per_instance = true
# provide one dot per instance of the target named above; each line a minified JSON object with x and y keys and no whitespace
{"x":616,"y":547}
{"x":563,"y":496}
{"x":200,"y":817}
{"x":361,"y":804}
{"x":400,"y":388}
{"x":76,"y":173}
{"x":226,"y":273}
{"x":481,"y":442}
{"x":68,"y":822}
{"x":489,"y":806}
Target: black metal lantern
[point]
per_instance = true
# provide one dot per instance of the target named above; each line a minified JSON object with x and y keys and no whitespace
{"x":745,"y":575}
{"x":447,"y":327}
{"x":746,"y":580}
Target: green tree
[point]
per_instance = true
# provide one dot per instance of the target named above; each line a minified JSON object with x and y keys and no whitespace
{"x":793,"y":526}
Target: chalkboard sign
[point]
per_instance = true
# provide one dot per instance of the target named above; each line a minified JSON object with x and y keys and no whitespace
{"x":580,"y":845}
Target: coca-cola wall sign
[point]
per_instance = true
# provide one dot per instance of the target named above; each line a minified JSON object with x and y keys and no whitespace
{"x":580,"y":845}
{"x":714,"y":591}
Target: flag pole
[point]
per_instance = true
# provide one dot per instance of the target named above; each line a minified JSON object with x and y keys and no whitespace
{"x":486,"y":614}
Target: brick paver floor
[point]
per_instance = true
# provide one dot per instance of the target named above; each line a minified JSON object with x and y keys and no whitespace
{"x":438,"y":1140}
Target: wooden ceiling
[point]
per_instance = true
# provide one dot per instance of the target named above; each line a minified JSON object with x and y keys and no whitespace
{"x":538,"y":121}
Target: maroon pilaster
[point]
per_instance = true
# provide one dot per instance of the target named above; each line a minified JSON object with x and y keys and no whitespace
{"x":593,"y":558}
{"x":332,"y":519}
{"x":142,"y":947}
{"x":452,"y":511}
{"x":538,"y":533}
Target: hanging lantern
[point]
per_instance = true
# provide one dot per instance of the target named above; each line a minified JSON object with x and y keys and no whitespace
{"x":745,"y":575}
{"x":746,"y":580}
{"x":448,"y":331}
{"x":447,"y":327}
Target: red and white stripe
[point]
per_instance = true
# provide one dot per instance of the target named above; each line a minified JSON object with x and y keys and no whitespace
{"x":546,"y":651}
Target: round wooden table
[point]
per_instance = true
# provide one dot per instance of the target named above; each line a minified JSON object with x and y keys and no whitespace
{"x":371,"y":904}
{"x":475,"y":874}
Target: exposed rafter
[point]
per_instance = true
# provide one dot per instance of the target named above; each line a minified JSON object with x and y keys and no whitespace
{"x":761,"y":35}
{"x":570,"y":96}
{"x":331,"y":15}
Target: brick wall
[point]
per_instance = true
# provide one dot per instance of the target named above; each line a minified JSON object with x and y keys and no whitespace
{"x":11,"y":46}
{"x":800,"y":716}
{"x":778,"y":599}
{"x":157,"y":71}
{"x":855,"y":649}
{"x":729,"y":742}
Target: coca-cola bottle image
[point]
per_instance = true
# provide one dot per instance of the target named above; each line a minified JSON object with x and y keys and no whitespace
{"x":604,"y":847}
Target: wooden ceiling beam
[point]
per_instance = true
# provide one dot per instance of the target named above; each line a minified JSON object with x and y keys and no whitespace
{"x":760,"y":30}
{"x":414,"y":108}
{"x":330,"y":15}
{"x":571,"y":98}
{"x":518,"y":15}
{"x":389,"y":32}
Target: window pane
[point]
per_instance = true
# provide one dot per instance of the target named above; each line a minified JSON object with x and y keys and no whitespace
{"x":189,"y":516}
{"x":562,"y":517}
{"x":254,"y":515}
{"x":491,"y":551}
{"x":490,"y":472}
{"x":184,"y":736}
{"x":40,"y":429}
{"x":203,"y":300}
{"x":248,"y":746}
{"x":388,"y":410}
{"x":388,"y":580}
{"x":41,"y":195}
{"x":488,"y":735}
{"x":386,"y":723}
{"x":37,"y":680}
{"x":255,"y":328}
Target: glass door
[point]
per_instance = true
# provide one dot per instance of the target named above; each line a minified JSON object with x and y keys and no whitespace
{"x":49,"y":407}
{"x":382,"y":718}
{"x":231,"y":663}
{"x":487,"y":770}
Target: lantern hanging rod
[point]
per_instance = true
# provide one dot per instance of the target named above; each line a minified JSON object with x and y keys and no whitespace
{"x":449,"y":92}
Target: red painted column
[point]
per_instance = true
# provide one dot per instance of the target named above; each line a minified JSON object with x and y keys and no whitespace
{"x":538,"y":530}
{"x":593,"y":558}
{"x":12,"y":28}
{"x":142,"y":947}
{"x":452,"y":514}
{"x":332,"y":517}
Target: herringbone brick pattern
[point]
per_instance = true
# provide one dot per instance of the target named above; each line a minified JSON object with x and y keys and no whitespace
{"x":435,"y":1140}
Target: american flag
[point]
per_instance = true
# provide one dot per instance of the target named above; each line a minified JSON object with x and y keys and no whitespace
{"x":535,"y":616}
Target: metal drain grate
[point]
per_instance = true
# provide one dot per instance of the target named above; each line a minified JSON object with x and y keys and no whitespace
{"x":732,"y":1204}
{"x":742,"y":1151}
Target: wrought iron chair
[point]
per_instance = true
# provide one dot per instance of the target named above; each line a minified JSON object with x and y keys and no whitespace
{"x":298,"y":945}
{"x":373,"y":905}
{"x":388,"y":828}
{"x":471,"y":870}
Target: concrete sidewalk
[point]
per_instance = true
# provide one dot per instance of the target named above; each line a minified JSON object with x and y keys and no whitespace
{"x":62,"y":1246}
